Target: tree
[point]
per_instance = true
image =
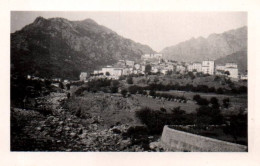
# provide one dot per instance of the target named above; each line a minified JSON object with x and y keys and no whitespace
{"x":162,"y":109}
{"x":61,"y":85}
{"x":169,"y":72}
{"x":114,"y":83}
{"x":148,"y":69}
{"x":200,"y":100}
{"x":156,"y":79}
{"x":152,"y":93}
{"x":133,"y":89}
{"x":237,"y":126}
{"x":114,"y":89}
{"x":107,"y":73}
{"x":220,"y":90}
{"x":226,"y":102}
{"x":207,"y":115}
{"x":196,"y":97}
{"x":68,"y":86}
{"x":129,"y":80}
{"x":214,"y":102}
{"x":227,"y":73}
{"x":124,"y":92}
{"x":191,"y":75}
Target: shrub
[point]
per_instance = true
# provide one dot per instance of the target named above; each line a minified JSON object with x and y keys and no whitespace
{"x":80,"y":90}
{"x":208,"y":116}
{"x":122,"y":77}
{"x":200,"y":100}
{"x":144,"y":93}
{"x":124,"y":92}
{"x":237,"y":126}
{"x":220,"y":91}
{"x":107,"y":73}
{"x":114,"y":83}
{"x":68,"y":86}
{"x":152,"y":93}
{"x":129,"y":80}
{"x":148,"y":69}
{"x":242,"y":89}
{"x":196,"y":97}
{"x":162,"y":109}
{"x":214,"y":102}
{"x":226,"y":102}
{"x":114,"y":89}
{"x":133,"y":89}
{"x":156,"y":120}
{"x":134,"y":131}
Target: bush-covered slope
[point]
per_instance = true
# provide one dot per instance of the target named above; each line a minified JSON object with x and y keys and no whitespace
{"x":58,"y":47}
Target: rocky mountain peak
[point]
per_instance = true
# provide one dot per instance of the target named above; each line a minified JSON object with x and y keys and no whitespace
{"x":89,"y":21}
{"x":39,"y":21}
{"x":57,"y":47}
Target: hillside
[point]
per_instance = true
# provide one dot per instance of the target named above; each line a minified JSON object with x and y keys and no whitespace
{"x":239,"y":57}
{"x":57,"y":47}
{"x":213,"y":47}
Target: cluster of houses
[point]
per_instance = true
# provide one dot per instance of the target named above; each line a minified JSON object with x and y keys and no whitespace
{"x":163,"y":66}
{"x":208,"y":67}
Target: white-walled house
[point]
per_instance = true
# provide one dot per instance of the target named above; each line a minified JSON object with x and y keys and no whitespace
{"x":164,"y":71}
{"x":233,"y":72}
{"x":220,"y":67}
{"x":180,"y":68}
{"x":243,"y":77}
{"x":190,"y":67}
{"x":231,"y":64}
{"x":230,"y":67}
{"x":197,"y":66}
{"x":112,"y":72}
{"x":130,"y":63}
{"x":151,"y":56}
{"x":137,"y":66}
{"x":208,"y":67}
{"x":83,"y":76}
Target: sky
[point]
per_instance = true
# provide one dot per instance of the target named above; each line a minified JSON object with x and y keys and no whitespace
{"x":155,"y":29}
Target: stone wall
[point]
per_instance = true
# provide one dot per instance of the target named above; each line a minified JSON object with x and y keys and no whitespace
{"x":175,"y":140}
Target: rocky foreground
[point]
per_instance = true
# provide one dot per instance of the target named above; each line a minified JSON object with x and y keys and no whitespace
{"x":50,"y":127}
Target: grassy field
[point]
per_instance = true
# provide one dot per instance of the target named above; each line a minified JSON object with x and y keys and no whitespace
{"x":156,"y":104}
{"x":236,"y":101}
{"x":113,"y":109}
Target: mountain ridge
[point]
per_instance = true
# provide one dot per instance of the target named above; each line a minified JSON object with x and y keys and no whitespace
{"x":212,"y":47}
{"x":57,"y":47}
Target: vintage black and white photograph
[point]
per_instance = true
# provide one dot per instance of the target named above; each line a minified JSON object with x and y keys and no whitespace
{"x":128,"y":81}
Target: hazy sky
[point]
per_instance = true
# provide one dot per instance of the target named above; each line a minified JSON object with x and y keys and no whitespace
{"x":156,"y":29}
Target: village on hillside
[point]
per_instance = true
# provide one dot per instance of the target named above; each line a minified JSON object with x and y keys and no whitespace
{"x":141,"y":104}
{"x":155,"y":64}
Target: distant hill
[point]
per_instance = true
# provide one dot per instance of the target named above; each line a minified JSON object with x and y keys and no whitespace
{"x":239,"y":57}
{"x":213,"y":47}
{"x":58,"y":47}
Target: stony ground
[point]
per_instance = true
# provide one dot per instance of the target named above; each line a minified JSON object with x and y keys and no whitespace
{"x":51,"y":127}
